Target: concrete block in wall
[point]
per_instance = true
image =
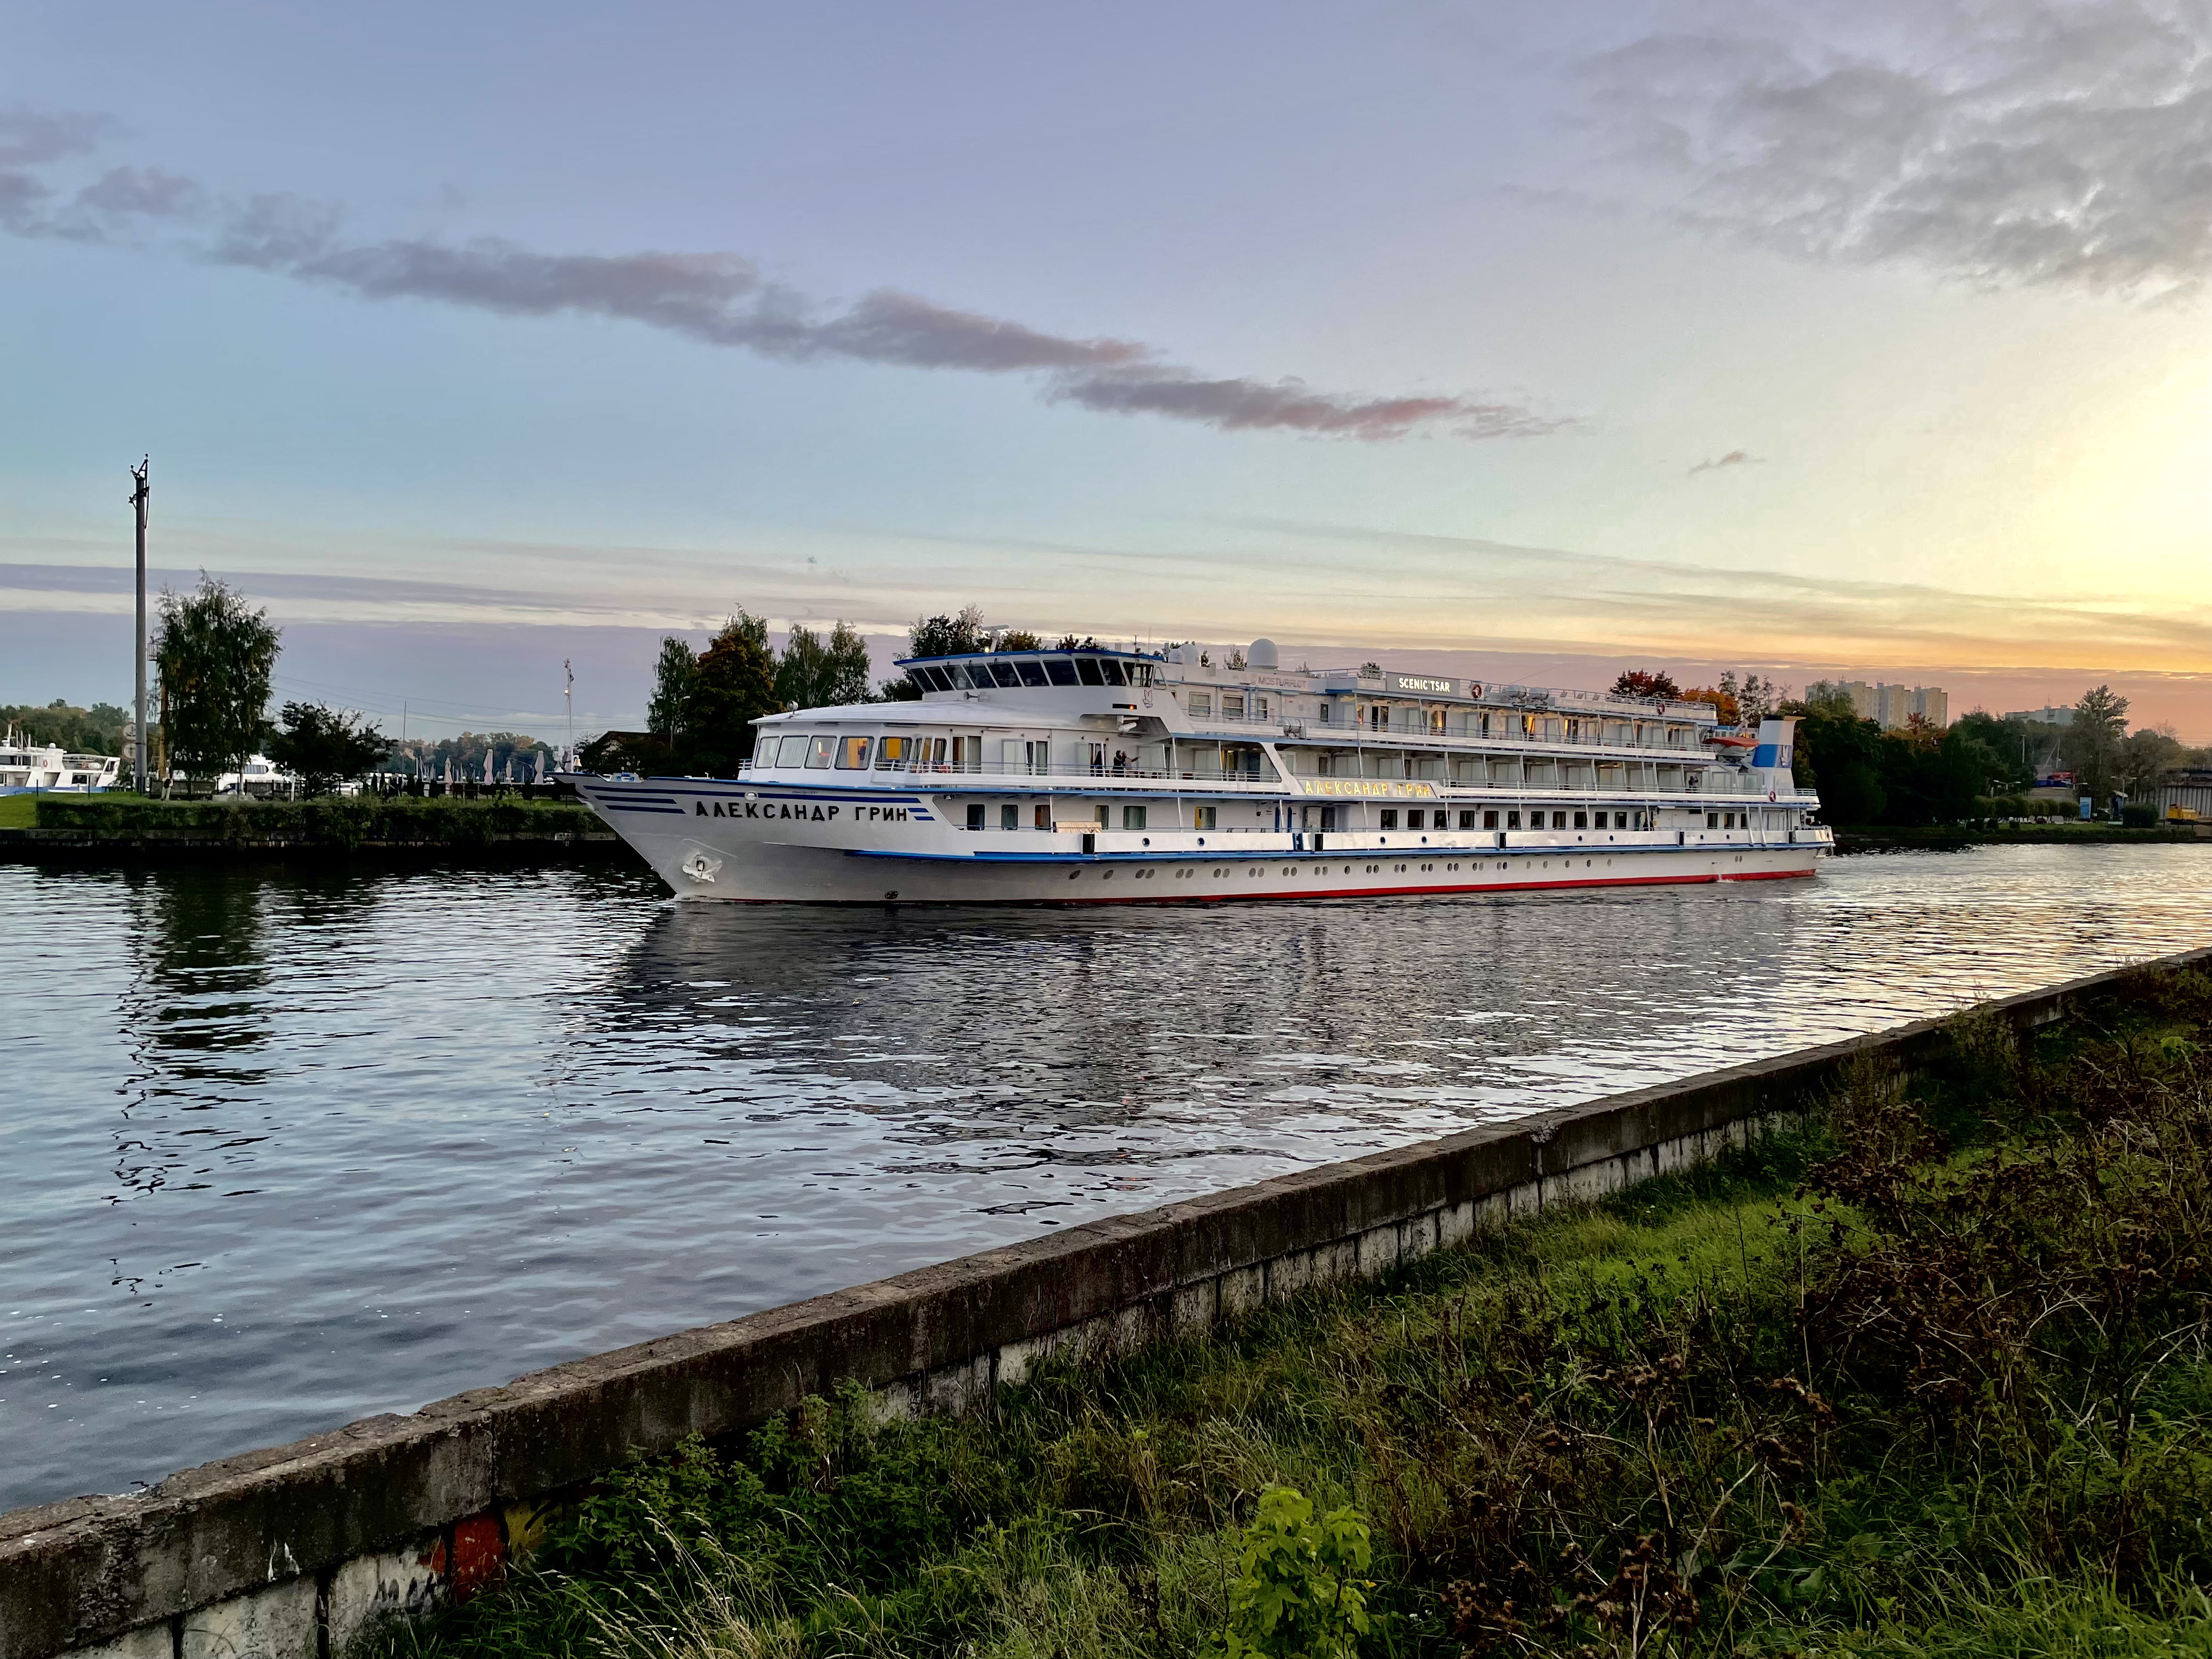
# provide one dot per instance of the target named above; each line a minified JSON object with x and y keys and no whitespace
{"x":1456,"y":1223}
{"x":899,"y":1399}
{"x":147,"y":1642}
{"x":1241,"y":1290}
{"x":370,"y":1588}
{"x":1193,"y":1309}
{"x":954,"y":1389}
{"x":277,"y":1623}
{"x":1135,"y":1327}
{"x":1376,"y":1251}
{"x":1417,"y":1237}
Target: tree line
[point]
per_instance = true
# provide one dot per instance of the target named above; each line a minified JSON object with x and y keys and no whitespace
{"x":699,"y":720}
{"x":1922,"y":773}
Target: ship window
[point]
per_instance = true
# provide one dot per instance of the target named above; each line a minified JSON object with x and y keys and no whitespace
{"x":1204,"y":818}
{"x":1490,"y":820}
{"x":1086,"y":669}
{"x":1389,"y":818}
{"x":853,"y":754}
{"x":1413,"y":819}
{"x":1467,"y":820}
{"x":1042,"y":816}
{"x":1512,"y":820}
{"x":818,"y":752}
{"x":1133,"y":817}
{"x":790,"y":752}
{"x":1232,"y":705}
{"x":1009,"y":816}
{"x":1031,"y":671}
{"x":1558,"y":820}
{"x":1201,"y":703}
{"x":1329,"y":817}
{"x":1620,"y":820}
{"x":1582,"y":820}
{"x":1059,"y":671}
{"x":1004,"y":673}
{"x":1712,"y":820}
{"x":1436,"y":719}
{"x":958,"y":675}
{"x":891,"y":753}
{"x":1111,"y":668}
{"x":975,"y":815}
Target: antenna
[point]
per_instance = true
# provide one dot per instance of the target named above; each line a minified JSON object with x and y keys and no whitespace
{"x":141,"y":494}
{"x":568,"y":700}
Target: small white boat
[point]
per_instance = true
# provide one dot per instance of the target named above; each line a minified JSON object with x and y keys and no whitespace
{"x":26,"y":767}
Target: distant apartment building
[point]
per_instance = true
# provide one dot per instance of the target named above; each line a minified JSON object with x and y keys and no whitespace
{"x":1891,"y":706}
{"x":2048,"y":716}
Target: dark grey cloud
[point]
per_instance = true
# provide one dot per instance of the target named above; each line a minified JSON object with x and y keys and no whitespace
{"x":147,"y":191}
{"x":2068,"y":144}
{"x":31,"y":136}
{"x":722,"y":300}
{"x":1734,"y":457}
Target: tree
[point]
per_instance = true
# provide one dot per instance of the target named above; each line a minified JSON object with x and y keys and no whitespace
{"x":949,"y":636}
{"x":1721,"y":699}
{"x":736,"y":686}
{"x":1647,"y":684}
{"x":2091,"y":743}
{"x":2012,"y":746}
{"x":214,"y":657}
{"x":674,"y":677}
{"x":1840,"y":756}
{"x":817,"y":673}
{"x":1018,"y":639}
{"x":2144,"y":756}
{"x":324,"y":747}
{"x":94,"y":731}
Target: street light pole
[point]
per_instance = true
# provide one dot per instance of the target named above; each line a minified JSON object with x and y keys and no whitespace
{"x":140,"y":494}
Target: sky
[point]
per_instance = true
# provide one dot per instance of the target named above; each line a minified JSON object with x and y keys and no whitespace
{"x":1824,"y":341}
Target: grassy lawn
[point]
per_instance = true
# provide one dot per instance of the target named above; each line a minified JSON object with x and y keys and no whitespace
{"x":1897,"y":1385}
{"x":19,"y":811}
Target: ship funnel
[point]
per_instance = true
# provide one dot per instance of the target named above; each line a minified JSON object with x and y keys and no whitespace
{"x":1777,"y":739}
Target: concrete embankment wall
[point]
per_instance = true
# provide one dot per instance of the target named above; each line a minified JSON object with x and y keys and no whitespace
{"x":286,"y":1553}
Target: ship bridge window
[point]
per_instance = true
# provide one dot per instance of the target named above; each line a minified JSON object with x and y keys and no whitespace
{"x":819,"y":751}
{"x":1086,"y":671}
{"x":896,"y":754}
{"x":1059,"y":671}
{"x":1031,"y":671}
{"x":1003,"y":672}
{"x":1111,"y":668}
{"x":853,"y":754}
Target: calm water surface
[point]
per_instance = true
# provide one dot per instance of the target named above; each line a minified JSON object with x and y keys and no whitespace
{"x":278,"y":1152}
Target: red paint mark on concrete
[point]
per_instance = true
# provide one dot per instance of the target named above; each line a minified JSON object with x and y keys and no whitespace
{"x":479,"y":1554}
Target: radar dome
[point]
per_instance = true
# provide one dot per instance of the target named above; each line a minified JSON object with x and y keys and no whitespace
{"x":1262,"y":654}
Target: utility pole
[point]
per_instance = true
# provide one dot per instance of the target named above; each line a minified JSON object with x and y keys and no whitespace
{"x":140,"y":494}
{"x":568,"y":699}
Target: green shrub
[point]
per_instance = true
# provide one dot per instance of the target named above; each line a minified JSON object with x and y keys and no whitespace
{"x":1300,"y":1594}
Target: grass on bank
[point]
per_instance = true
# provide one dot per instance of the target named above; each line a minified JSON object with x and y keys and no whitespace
{"x":1931,"y":1379}
{"x":19,"y":811}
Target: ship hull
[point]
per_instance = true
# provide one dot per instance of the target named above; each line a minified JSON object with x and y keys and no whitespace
{"x":716,"y":839}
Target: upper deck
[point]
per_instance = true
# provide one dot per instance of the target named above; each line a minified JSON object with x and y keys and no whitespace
{"x":1248,"y":724}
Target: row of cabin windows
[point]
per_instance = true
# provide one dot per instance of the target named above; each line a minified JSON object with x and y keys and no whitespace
{"x":1235,"y":706}
{"x":1016,"y":672}
{"x":1417,"y":819}
{"x":1009,"y":816}
{"x":1440,"y":721}
{"x":821,"y":753}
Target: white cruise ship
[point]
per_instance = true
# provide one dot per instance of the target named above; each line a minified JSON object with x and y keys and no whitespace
{"x":27,"y":767}
{"x":1094,"y":776}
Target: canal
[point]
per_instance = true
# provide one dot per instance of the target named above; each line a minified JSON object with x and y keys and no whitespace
{"x":278,"y":1151}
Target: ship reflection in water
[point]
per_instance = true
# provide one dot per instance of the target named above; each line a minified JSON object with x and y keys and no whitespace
{"x":282,"y":1150}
